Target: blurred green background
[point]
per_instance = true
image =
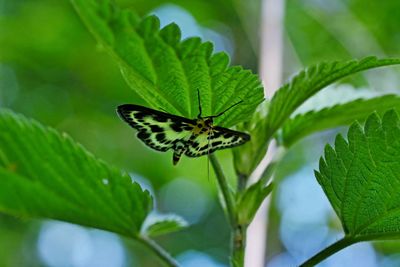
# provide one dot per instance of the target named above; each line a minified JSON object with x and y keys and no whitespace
{"x":51,"y":69}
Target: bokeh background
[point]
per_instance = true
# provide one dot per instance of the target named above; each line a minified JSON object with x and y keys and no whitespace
{"x":51,"y":69}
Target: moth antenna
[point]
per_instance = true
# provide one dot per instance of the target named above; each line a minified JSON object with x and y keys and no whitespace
{"x":221,"y":113}
{"x":198,"y":98}
{"x":163,"y":109}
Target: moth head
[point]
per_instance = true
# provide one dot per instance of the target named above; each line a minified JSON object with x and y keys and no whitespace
{"x":208,"y":121}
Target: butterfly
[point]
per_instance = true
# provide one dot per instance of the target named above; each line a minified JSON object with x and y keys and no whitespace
{"x":193,"y":137}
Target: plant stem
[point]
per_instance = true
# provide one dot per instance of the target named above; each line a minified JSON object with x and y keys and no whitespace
{"x":328,"y":251}
{"x":238,"y":232}
{"x":238,"y":245}
{"x":223,"y":185}
{"x":159,"y":251}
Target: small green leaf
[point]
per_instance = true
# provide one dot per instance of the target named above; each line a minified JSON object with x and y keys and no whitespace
{"x":361,"y":178}
{"x":167,"y":72}
{"x":338,"y":115}
{"x":160,"y":224}
{"x":249,"y":202}
{"x":290,"y":96}
{"x":44,"y":174}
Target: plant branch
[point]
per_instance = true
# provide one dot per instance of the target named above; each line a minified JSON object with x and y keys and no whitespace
{"x":238,"y":232}
{"x":328,"y":251}
{"x":223,"y":185}
{"x":159,"y":251}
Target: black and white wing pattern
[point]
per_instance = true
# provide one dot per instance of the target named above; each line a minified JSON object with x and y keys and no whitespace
{"x":158,"y":130}
{"x":216,"y":138}
{"x":163,"y":131}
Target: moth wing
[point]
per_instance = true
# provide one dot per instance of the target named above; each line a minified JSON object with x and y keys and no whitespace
{"x":218,"y":138}
{"x":158,"y":130}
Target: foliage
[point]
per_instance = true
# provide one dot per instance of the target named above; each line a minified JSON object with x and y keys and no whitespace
{"x":360,"y":178}
{"x":159,"y":224}
{"x":338,"y":115}
{"x":308,"y":82}
{"x":251,"y":200}
{"x":167,"y":72}
{"x":45,"y":174}
{"x":291,"y":95}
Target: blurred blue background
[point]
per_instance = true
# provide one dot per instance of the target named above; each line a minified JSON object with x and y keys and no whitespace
{"x":51,"y":69}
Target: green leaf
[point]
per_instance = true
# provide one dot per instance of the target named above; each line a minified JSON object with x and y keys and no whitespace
{"x":308,"y":82}
{"x":160,"y":224}
{"x":167,"y":72}
{"x":44,"y":174}
{"x":361,"y":178}
{"x":249,"y":202}
{"x":289,"y":97}
{"x":338,"y":115}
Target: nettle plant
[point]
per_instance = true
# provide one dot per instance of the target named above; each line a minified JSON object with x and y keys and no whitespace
{"x":45,"y":174}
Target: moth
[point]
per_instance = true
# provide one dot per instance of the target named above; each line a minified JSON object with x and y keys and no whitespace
{"x":193,"y":137}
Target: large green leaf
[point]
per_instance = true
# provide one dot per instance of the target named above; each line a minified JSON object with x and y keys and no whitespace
{"x":361,"y":178}
{"x":167,"y":72}
{"x":44,"y":174}
{"x":289,"y":97}
{"x":338,"y":115}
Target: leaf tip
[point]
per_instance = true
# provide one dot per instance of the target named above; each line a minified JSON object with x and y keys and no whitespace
{"x":390,"y":116}
{"x":372,"y":123}
{"x":171,"y":34}
{"x":149,"y":26}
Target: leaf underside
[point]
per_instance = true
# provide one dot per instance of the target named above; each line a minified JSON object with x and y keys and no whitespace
{"x":167,"y":72}
{"x":308,"y":82}
{"x":338,"y":115}
{"x":361,"y":178}
{"x":44,"y":174}
{"x":161,"y":224}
